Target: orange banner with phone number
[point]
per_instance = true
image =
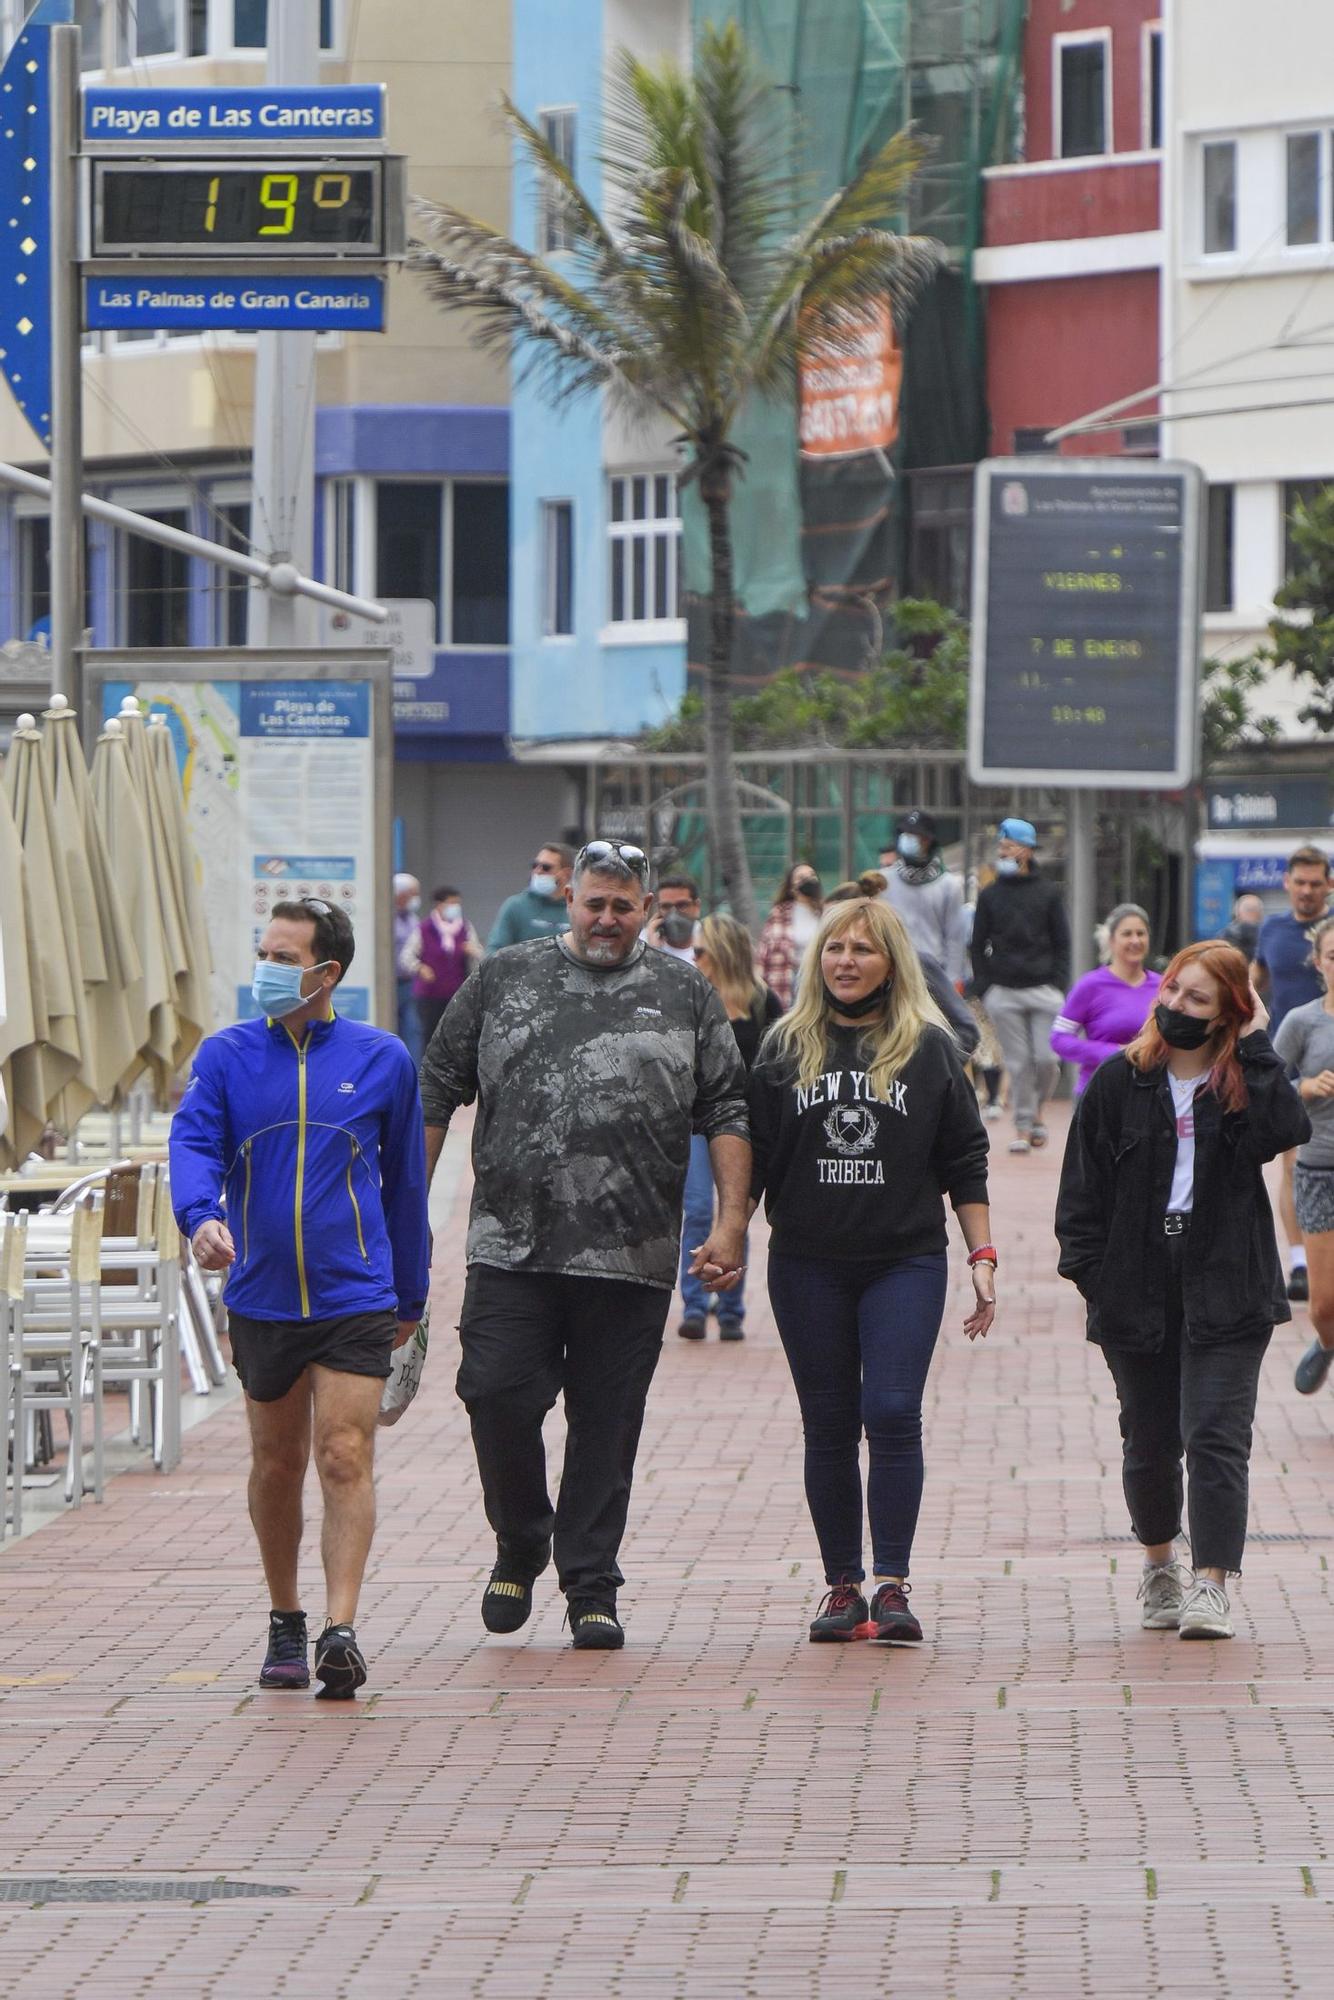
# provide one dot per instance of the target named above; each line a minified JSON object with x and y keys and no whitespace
{"x":849,"y":394}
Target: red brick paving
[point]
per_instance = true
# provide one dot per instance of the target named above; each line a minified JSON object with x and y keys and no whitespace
{"x":1044,"y":1801}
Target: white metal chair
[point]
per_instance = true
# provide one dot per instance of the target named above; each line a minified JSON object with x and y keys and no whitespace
{"x":59,"y":1339}
{"x":140,"y":1319}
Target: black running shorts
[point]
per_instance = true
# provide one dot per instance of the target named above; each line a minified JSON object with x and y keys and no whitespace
{"x":271,"y":1355}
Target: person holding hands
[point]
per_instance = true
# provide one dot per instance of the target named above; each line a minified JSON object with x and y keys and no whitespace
{"x":862,"y":1121}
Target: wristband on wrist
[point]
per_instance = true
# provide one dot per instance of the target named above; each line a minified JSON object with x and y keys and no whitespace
{"x":985,"y":1253}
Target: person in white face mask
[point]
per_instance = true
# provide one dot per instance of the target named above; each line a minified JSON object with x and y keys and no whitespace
{"x":407,"y":957}
{"x":539,"y":910}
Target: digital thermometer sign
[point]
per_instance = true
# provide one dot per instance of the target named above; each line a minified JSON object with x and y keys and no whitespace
{"x":266,"y":208}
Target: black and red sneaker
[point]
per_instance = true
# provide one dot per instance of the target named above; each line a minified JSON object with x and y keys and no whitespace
{"x":842,"y":1615}
{"x":892,"y":1622}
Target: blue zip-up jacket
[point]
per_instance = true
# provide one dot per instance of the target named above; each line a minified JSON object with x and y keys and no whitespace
{"x":315,"y":1157}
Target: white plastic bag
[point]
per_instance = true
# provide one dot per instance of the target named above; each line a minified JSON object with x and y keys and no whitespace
{"x":405,"y":1376}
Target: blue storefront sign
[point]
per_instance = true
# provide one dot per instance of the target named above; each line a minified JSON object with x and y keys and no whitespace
{"x":275,"y":117}
{"x":200,"y":299}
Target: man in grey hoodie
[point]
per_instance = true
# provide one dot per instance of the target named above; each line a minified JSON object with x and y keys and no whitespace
{"x":924,"y":894}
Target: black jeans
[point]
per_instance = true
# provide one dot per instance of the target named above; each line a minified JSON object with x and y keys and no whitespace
{"x":859,"y":1340}
{"x":527,"y":1337}
{"x":1196,"y":1399}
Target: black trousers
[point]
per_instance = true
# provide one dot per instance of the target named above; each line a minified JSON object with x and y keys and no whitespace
{"x":528,"y":1337}
{"x":1199,"y":1400}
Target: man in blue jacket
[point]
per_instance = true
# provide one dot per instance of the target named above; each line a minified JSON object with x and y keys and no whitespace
{"x":298,"y":1166}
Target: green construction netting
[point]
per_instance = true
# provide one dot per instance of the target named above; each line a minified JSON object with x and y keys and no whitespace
{"x":818,"y":543}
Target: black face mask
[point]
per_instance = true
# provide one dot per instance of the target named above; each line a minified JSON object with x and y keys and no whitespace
{"x":870,"y":1003}
{"x":1181,"y":1031}
{"x":810,"y":887}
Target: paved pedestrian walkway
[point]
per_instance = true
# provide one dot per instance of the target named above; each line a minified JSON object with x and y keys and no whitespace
{"x":1044,"y":1800}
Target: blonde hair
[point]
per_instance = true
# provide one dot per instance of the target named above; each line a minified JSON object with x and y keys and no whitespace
{"x":732,"y":949}
{"x":1317,"y":937}
{"x":889,"y":1043}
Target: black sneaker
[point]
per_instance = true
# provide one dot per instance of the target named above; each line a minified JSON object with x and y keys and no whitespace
{"x":731,"y":1329}
{"x":339,"y":1664}
{"x":842,"y":1615}
{"x":894,"y":1622}
{"x":1313,"y":1368}
{"x":692,"y":1329}
{"x":1299,"y":1285}
{"x":285,"y":1663}
{"x":594,"y":1626}
{"x":507,"y":1601}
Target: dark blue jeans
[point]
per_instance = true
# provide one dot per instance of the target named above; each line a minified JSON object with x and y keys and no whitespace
{"x":859,"y":1340}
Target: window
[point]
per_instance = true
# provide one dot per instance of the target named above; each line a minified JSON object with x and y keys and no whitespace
{"x":1218,"y":549}
{"x":480,"y":566}
{"x":250,"y":23}
{"x":1083,"y":107}
{"x":343,"y":534}
{"x":230,"y":590}
{"x":156,"y":585}
{"x":1303,"y":188}
{"x":1030,"y":440}
{"x":940,"y":543}
{"x":34,"y":572}
{"x":557,"y":568}
{"x":553,"y":230}
{"x":1153,"y":87}
{"x":33,"y":548}
{"x":447,"y":541}
{"x":1297,"y":493}
{"x":645,"y":531}
{"x":163,"y":28}
{"x":1220,"y":197}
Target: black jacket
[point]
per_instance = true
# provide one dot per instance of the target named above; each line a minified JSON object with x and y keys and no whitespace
{"x":1115,"y":1182}
{"x":1020,"y":934}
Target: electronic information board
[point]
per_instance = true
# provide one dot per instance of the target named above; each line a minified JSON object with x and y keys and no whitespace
{"x":1086,"y":623}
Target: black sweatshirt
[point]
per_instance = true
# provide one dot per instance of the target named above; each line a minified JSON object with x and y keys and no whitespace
{"x":1020,"y":934}
{"x":849,"y":1176}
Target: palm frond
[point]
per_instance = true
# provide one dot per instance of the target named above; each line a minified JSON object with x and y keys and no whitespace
{"x":495,"y":263}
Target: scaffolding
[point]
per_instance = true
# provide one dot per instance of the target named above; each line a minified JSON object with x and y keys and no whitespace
{"x":847,"y":75}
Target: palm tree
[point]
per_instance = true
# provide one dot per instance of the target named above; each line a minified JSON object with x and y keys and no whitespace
{"x":692,"y":292}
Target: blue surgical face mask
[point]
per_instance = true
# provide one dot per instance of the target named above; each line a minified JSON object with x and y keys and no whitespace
{"x":276,"y":989}
{"x":540,"y":884}
{"x":910,"y":847}
{"x":1007,"y":864}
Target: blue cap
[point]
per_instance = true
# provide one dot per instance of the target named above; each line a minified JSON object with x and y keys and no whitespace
{"x":1022,"y":830}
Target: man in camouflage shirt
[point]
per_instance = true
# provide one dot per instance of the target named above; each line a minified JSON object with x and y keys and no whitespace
{"x":592,"y":1059}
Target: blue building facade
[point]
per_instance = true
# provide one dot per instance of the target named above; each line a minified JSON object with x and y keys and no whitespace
{"x":598,"y":645}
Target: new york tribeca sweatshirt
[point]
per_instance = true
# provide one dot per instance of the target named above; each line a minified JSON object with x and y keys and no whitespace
{"x":850,"y":1176}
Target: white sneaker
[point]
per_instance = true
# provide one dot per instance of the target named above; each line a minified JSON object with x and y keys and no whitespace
{"x":1020,"y":1144}
{"x":991,"y":1112}
{"x":1204,"y":1613}
{"x":1162,"y":1592}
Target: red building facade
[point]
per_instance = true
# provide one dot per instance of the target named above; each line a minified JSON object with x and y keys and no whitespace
{"x":1072,"y":243}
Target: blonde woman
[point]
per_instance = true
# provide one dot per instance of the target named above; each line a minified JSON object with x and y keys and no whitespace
{"x":725,"y":955}
{"x":1305,"y":1042}
{"x":861,"y":1120}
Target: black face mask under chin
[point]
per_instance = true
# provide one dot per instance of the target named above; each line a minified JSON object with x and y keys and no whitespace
{"x":1181,"y":1031}
{"x":856,"y":1010}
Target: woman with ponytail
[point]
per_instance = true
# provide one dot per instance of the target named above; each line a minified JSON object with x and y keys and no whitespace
{"x":1165,"y":1227}
{"x":861,"y":1121}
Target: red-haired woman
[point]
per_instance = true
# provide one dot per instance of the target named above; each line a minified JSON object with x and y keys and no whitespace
{"x":1165,"y":1227}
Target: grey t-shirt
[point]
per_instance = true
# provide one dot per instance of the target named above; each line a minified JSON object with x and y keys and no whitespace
{"x":589,"y":1081}
{"x":1305,"y":1042}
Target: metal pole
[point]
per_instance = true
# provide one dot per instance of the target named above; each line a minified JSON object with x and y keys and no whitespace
{"x":1082,"y":856}
{"x":66,"y":377}
{"x":195,"y":545}
{"x":283,"y":488}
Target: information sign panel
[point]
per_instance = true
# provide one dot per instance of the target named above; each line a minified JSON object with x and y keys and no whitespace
{"x":286,"y":761}
{"x":338,"y":112}
{"x":316,"y":302}
{"x":1086,"y":622}
{"x":269,"y":207}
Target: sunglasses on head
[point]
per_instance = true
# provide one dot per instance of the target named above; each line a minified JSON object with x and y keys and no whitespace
{"x":313,"y":903}
{"x":616,"y":851}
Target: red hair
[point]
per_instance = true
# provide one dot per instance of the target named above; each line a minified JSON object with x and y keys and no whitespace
{"x":1225,"y":964}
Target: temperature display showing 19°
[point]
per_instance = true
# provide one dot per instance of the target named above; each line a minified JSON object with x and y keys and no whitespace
{"x":251,"y":207}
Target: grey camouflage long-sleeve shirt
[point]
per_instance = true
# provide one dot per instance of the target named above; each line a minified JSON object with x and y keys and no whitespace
{"x":589,"y":1081}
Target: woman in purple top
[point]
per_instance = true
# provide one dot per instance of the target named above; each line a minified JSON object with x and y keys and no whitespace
{"x":450,"y":948}
{"x":1105,"y":1010}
